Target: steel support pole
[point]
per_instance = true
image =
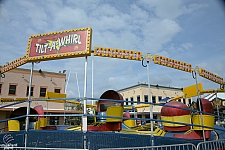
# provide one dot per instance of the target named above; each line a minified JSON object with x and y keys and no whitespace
{"x":92,"y":84}
{"x":78,"y":88}
{"x":199,"y":102}
{"x":28,"y":103}
{"x":84,"y":117}
{"x":150,"y":100}
{"x":217,"y":107}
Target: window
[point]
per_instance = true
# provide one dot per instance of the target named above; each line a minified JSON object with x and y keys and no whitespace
{"x":153,"y":99}
{"x":12,"y":89}
{"x":146,"y":98}
{"x":138,"y":99}
{"x":0,"y":88}
{"x":132,"y":100}
{"x":31,"y":92}
{"x":54,"y":120}
{"x":159,"y":98}
{"x":127,"y":101}
{"x":184,"y":101}
{"x":42,"y":91}
{"x":57,"y":90}
{"x":189,"y":101}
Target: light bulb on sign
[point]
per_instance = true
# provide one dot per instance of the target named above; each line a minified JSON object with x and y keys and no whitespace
{"x":148,"y":57}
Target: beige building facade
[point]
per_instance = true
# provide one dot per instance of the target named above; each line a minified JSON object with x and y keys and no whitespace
{"x":137,"y":95}
{"x":15,"y":84}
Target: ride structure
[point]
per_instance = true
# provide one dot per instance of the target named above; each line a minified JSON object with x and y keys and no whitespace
{"x":178,"y":120}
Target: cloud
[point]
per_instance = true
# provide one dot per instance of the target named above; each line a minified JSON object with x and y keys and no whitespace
{"x":192,"y":7}
{"x":162,"y":80}
{"x":163,"y":9}
{"x":158,"y":32}
{"x":179,"y":47}
{"x":176,"y":29}
{"x":4,"y":14}
{"x":170,"y":10}
{"x":187,"y":46}
{"x":214,"y":67}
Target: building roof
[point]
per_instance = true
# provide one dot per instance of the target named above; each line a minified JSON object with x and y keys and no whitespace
{"x":139,"y":85}
{"x":62,"y":73}
{"x":212,"y":96}
{"x":165,"y":100}
{"x":58,"y":111}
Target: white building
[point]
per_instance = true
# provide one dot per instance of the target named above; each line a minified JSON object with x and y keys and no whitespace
{"x":138,"y":94}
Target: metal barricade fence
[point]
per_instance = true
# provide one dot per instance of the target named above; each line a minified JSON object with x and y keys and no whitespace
{"x":212,"y":145}
{"x":187,"y":146}
{"x":37,"y":148}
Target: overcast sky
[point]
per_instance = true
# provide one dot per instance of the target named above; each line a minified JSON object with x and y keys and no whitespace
{"x":191,"y":31}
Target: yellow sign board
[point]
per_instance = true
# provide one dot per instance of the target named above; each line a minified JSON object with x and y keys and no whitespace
{"x":55,"y":95}
{"x":15,"y":63}
{"x":59,"y":45}
{"x":210,"y":76}
{"x":192,"y":90}
{"x":168,"y":62}
{"x":117,"y":53}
